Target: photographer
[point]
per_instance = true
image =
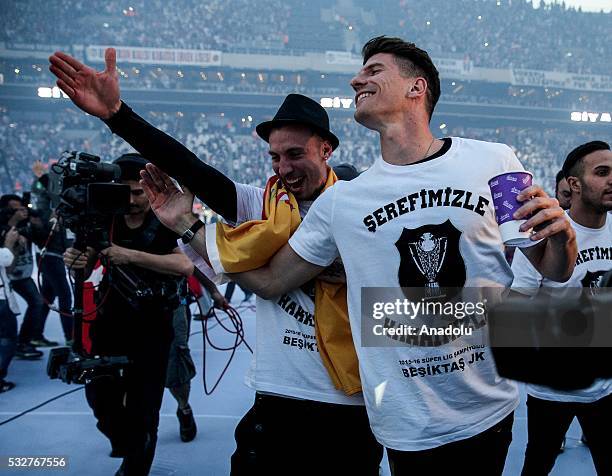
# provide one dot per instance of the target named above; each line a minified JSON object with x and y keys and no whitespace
{"x":15,"y":214}
{"x":127,"y":406}
{"x":588,"y":170}
{"x":8,"y":310}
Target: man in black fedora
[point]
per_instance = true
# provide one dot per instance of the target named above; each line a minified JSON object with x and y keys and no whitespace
{"x":300,"y":423}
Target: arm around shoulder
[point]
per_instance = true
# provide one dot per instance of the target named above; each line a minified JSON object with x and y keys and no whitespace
{"x":286,"y":271}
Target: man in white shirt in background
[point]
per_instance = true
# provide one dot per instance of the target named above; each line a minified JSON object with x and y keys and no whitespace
{"x":8,"y":309}
{"x":588,"y":169}
{"x":563,"y":194}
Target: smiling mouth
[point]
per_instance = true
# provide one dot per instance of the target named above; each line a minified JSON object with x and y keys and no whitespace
{"x":361,"y":96}
{"x":293,"y":182}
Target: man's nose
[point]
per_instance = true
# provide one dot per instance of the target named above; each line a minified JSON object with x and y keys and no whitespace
{"x":357,"y":82}
{"x":285,"y":167}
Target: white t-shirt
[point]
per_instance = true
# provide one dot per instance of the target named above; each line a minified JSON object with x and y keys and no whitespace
{"x":412,"y":407}
{"x":286,"y":360}
{"x":594,"y":259}
{"x":6,"y":293}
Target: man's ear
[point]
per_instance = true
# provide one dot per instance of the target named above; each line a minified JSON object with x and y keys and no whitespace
{"x":326,"y":150}
{"x":419,"y":88}
{"x":574,"y":184}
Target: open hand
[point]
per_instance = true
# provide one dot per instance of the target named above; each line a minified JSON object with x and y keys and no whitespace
{"x":172,"y":206}
{"x":95,"y":92}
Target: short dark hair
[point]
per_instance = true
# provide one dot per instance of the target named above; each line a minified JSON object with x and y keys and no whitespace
{"x":5,"y":199}
{"x":346,"y":171}
{"x":131,"y":164}
{"x":412,"y":61}
{"x":560,"y":176}
{"x":572,"y":167}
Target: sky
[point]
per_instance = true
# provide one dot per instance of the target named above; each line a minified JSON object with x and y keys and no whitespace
{"x":588,"y":5}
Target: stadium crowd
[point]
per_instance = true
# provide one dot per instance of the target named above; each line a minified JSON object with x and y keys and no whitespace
{"x":214,"y":80}
{"x":231,"y":146}
{"x":506,"y":33}
{"x":496,"y":33}
{"x":188,"y":24}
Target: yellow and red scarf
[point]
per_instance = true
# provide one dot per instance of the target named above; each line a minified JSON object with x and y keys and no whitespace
{"x":253,"y":243}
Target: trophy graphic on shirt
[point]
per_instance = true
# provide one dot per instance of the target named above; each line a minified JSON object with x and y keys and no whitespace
{"x":428,"y":253}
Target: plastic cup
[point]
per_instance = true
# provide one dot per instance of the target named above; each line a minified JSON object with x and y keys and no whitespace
{"x":504,"y":189}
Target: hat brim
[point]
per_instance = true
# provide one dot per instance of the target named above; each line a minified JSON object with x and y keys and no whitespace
{"x":263,"y":130}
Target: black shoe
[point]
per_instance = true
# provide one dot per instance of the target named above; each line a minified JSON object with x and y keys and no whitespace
{"x":43,"y":342}
{"x":6,"y":386}
{"x":188,"y":428}
{"x":27,"y":352}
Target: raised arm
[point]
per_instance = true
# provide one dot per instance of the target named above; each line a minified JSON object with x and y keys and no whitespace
{"x":286,"y":271}
{"x":98,"y":94}
{"x":207,"y":183}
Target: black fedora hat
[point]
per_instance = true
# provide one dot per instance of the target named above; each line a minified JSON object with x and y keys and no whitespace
{"x":299,"y":109}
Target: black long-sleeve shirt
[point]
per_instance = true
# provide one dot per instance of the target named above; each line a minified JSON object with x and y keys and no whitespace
{"x":216,"y":190}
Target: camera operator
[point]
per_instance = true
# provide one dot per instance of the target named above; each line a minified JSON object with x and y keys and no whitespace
{"x":15,"y":214}
{"x":588,"y":169}
{"x":8,"y":310}
{"x":127,"y":406}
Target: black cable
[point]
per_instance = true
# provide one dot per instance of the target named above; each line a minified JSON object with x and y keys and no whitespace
{"x":197,"y":303}
{"x":234,"y":317}
{"x":25,"y":412}
{"x":238,"y":330}
{"x":216,"y":324}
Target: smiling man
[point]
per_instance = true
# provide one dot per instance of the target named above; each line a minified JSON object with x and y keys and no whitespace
{"x":440,"y":406}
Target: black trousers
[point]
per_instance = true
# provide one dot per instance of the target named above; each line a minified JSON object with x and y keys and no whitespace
{"x":31,"y":323}
{"x":55,"y":285}
{"x":8,"y":337}
{"x":127,"y":406}
{"x":483,"y":454}
{"x":280,"y":436}
{"x":547,"y":423}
